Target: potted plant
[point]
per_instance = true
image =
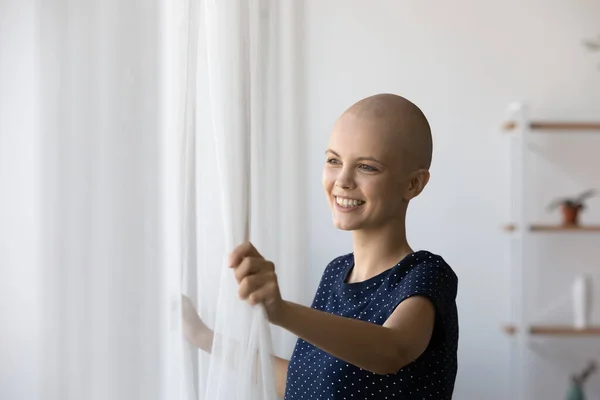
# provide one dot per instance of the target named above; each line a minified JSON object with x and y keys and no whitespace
{"x":576,"y":389}
{"x":571,"y":207}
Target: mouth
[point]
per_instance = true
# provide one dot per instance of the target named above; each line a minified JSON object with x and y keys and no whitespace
{"x":347,"y":204}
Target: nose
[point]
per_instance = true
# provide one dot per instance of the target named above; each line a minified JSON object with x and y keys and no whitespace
{"x":345,"y":179}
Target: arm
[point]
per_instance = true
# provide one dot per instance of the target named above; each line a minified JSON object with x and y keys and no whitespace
{"x":379,"y":349}
{"x":281,"y":370}
{"x":201,"y":336}
{"x":280,"y":366}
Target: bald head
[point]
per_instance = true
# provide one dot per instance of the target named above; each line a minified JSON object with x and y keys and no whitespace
{"x":401,"y":118}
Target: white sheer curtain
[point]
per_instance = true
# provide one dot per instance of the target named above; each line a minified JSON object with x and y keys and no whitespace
{"x":92,"y":172}
{"x":243,"y":180}
{"x":101,"y":196}
{"x":19,"y":217}
{"x":117,"y":246}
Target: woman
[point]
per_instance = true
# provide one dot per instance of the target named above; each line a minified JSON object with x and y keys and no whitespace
{"x":383,"y":323}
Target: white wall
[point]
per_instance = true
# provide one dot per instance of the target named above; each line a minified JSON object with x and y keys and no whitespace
{"x":463,"y":62}
{"x":19,"y":284}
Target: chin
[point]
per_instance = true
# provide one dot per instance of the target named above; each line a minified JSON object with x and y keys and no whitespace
{"x":343,"y":228}
{"x":346,"y":225}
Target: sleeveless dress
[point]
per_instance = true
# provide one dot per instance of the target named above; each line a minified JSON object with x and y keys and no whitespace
{"x":316,"y":375}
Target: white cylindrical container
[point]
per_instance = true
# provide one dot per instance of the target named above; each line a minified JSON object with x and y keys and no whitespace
{"x":582,"y":301}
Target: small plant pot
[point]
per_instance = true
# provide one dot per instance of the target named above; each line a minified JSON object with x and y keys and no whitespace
{"x":575,"y":392}
{"x":570,"y":214}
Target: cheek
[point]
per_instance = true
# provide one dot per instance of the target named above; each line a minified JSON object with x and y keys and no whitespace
{"x":370,"y":188}
{"x":378,"y":193}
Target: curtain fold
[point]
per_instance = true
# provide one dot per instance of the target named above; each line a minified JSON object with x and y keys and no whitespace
{"x":232,"y":55}
{"x":244,"y":182}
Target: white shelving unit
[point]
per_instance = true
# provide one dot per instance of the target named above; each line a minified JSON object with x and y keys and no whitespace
{"x":519,"y":129}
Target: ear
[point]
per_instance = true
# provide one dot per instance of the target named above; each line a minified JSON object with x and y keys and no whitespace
{"x":417,"y":182}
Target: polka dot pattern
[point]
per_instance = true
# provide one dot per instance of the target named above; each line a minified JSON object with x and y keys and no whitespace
{"x":316,"y":375}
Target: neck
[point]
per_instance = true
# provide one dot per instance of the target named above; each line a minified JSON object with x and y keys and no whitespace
{"x":376,"y":250}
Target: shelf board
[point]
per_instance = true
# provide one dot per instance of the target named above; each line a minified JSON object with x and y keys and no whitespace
{"x":555,"y":330}
{"x":555,"y":228}
{"x":555,"y":126}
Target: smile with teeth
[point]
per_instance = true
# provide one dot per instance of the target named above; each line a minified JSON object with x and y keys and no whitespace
{"x":348,"y":203}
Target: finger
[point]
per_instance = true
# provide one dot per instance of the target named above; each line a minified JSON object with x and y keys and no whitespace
{"x":261,"y":295}
{"x":265,"y":294}
{"x":251,"y":284}
{"x":248,"y":266}
{"x":242,"y":251}
{"x":251,"y":266}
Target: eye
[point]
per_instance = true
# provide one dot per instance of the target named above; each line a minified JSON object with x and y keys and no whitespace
{"x":367,"y":168}
{"x":332,"y":161}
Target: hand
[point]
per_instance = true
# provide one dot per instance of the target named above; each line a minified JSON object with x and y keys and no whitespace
{"x":256,"y":279}
{"x":195,"y":330}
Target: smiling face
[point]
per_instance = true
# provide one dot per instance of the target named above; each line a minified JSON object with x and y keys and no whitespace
{"x":362,"y":176}
{"x":369,"y":174}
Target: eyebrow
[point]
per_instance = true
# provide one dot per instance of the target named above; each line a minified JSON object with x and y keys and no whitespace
{"x":360,"y":158}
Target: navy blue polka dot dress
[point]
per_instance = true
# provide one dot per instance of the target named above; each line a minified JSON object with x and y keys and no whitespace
{"x":315,"y":375}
